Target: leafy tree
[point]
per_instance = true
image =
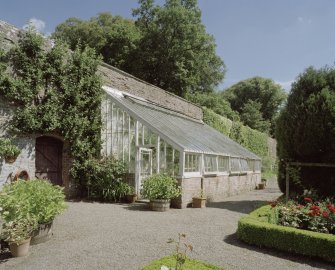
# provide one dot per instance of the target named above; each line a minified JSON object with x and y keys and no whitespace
{"x":114,"y":37}
{"x":175,"y":52}
{"x":305,"y":130}
{"x":252,"y":116}
{"x":264,"y":91}
{"x":215,"y":102}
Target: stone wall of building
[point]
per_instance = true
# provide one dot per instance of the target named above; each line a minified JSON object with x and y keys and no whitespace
{"x":215,"y":188}
{"x":26,"y":159}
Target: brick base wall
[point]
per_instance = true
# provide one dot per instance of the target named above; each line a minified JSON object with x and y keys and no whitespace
{"x":215,"y":188}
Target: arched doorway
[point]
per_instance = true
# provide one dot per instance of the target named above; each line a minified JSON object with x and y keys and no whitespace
{"x":48,"y":159}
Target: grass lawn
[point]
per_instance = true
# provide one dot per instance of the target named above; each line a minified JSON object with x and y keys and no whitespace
{"x":190,"y":264}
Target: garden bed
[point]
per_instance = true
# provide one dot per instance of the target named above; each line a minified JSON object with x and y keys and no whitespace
{"x":190,"y":264}
{"x":256,"y":229}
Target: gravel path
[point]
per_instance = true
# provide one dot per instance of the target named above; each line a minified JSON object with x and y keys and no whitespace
{"x":92,"y":236}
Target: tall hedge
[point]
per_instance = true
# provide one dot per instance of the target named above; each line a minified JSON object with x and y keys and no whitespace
{"x":251,"y":139}
{"x":306,"y":131}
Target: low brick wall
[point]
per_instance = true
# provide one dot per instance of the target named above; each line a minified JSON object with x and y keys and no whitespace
{"x":215,"y":188}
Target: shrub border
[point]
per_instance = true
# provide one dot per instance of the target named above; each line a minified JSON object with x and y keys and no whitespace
{"x":252,"y":230}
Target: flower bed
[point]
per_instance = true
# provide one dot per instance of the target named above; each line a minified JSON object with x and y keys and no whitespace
{"x":317,"y":216}
{"x":259,"y":229}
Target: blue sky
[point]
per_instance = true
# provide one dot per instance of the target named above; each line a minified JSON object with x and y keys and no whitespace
{"x":275,"y":39}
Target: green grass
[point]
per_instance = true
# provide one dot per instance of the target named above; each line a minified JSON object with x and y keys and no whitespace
{"x":190,"y":264}
{"x":269,"y":175}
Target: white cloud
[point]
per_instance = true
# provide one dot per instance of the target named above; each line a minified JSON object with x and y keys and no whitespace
{"x":286,"y":85}
{"x":37,"y":24}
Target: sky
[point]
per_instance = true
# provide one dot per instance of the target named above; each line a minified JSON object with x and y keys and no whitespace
{"x":276,"y":39}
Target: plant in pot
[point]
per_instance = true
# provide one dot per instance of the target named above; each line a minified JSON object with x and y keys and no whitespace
{"x":36,"y":198}
{"x":17,"y":233}
{"x":160,"y":189}
{"x":131,"y":195}
{"x":199,"y":201}
{"x":8,"y":150}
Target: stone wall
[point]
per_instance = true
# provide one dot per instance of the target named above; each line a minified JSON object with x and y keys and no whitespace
{"x":26,"y":159}
{"x":215,"y":188}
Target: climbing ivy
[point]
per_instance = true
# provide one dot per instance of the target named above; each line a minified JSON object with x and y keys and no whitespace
{"x":55,"y":91}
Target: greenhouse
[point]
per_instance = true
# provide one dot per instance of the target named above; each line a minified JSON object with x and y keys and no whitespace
{"x":153,"y":139}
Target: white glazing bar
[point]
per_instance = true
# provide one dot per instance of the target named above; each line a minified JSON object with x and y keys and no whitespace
{"x":129,"y":141}
{"x":202,"y":164}
{"x":158,"y":154}
{"x":122,"y":139}
{"x":229,"y":164}
{"x":112,"y":130}
{"x":165,"y":163}
{"x":137,"y":161}
{"x":173,"y":162}
{"x":181,"y":163}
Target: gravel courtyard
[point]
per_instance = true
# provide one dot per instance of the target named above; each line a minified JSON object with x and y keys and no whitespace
{"x":119,"y":236}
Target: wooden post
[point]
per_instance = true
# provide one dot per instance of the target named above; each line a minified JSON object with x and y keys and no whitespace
{"x":287,"y":181}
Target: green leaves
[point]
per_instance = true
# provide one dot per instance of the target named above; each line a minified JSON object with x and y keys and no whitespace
{"x":55,"y":91}
{"x":161,"y":187}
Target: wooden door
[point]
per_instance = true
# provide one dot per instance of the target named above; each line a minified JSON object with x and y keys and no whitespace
{"x":48,"y":159}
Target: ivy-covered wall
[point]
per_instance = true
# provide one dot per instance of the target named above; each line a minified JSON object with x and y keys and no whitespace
{"x":251,"y":139}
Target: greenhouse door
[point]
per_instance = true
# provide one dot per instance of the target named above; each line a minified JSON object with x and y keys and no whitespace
{"x":145,"y":164}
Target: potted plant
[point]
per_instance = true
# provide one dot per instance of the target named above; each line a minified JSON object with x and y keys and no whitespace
{"x":264,"y":181}
{"x":131,"y":195}
{"x":8,"y":150}
{"x":36,"y":198}
{"x":199,"y":201}
{"x":18,"y":234}
{"x":160,"y":189}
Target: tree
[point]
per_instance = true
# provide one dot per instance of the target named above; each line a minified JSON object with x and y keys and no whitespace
{"x":215,"y":102}
{"x":252,"y":116}
{"x":305,"y":130}
{"x":265,"y":92}
{"x":175,"y":52}
{"x":113,"y":37}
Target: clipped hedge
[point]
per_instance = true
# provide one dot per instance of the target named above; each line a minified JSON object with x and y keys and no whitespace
{"x":251,"y":139}
{"x":254,"y":229}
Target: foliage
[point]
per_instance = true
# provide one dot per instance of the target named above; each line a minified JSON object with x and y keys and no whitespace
{"x":190,"y":264}
{"x":180,"y":254}
{"x":309,"y":215}
{"x":254,"y":230}
{"x":258,"y":96}
{"x":252,"y":116}
{"x":105,"y":179}
{"x":305,"y":130}
{"x":175,"y":52}
{"x":18,"y":230}
{"x":37,"y":199}
{"x":215,"y":102}
{"x":55,"y":91}
{"x":8,"y":149}
{"x":160,"y":187}
{"x":113,"y":37}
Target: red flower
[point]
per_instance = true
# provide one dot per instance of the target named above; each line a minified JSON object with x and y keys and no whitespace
{"x":329,"y":206}
{"x":315,"y":208}
{"x":332,"y":209}
{"x":300,"y":206}
{"x":325,"y":214}
{"x":309,"y":200}
{"x":273,"y":204}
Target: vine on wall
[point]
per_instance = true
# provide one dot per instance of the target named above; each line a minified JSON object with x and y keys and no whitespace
{"x":54,"y":91}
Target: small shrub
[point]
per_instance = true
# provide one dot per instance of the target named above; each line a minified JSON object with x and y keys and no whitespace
{"x":8,"y":149}
{"x":37,"y":199}
{"x":160,"y":187}
{"x":105,"y":179}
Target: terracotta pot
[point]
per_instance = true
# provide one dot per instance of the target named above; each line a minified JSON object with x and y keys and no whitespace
{"x":19,"y":249}
{"x":42,"y":234}
{"x":131,"y":198}
{"x":160,"y":205}
{"x":198,"y":202}
{"x":10,"y":160}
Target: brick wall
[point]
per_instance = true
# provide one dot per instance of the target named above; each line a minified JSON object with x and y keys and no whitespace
{"x":216,"y":188}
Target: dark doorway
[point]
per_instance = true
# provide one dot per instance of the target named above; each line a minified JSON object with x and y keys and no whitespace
{"x":48,"y":160}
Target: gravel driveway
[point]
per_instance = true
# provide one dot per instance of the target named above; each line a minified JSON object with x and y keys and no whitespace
{"x":96,"y":236}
